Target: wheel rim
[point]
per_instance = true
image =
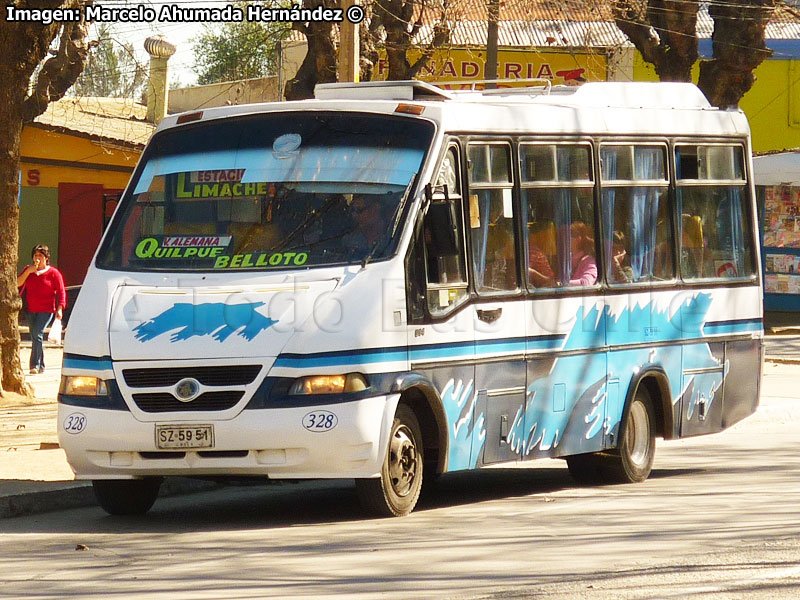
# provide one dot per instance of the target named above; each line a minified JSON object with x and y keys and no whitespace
{"x":403,"y":461}
{"x":638,"y":433}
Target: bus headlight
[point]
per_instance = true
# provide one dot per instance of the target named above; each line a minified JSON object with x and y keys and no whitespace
{"x":328,"y":384}
{"x":82,"y":385}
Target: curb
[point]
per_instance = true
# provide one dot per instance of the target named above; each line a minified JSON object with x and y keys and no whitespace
{"x":782,"y":361}
{"x":60,"y":495}
{"x":51,"y":496}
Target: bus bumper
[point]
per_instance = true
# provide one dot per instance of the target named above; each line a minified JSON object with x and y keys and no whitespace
{"x":276,"y":443}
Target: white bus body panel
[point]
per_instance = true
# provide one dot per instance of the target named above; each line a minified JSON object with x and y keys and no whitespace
{"x":352,"y":319}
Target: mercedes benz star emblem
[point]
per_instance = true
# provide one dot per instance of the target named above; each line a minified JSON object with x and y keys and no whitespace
{"x":187,"y":389}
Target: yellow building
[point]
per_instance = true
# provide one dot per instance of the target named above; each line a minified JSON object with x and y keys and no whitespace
{"x":772,"y":105}
{"x":76,"y":158}
{"x":565,"y":43}
{"x":570,"y":42}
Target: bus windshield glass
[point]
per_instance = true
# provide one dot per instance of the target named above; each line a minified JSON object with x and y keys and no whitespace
{"x":272,"y":191}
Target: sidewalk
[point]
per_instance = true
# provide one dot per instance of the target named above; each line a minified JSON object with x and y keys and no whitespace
{"x":35,"y":476}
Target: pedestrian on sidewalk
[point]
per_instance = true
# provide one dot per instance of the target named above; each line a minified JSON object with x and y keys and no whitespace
{"x":43,"y":287}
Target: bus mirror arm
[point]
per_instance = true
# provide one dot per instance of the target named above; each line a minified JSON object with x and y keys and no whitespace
{"x":430,"y":191}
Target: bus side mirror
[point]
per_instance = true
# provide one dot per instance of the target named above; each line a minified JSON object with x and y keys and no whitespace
{"x":442,"y":224}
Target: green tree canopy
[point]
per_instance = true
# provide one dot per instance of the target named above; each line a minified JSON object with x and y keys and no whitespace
{"x":238,"y":50}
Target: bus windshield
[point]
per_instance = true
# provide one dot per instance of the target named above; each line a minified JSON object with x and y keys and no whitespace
{"x":271,"y":191}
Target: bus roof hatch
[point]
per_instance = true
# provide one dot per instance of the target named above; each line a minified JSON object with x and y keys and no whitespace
{"x":380,"y":90}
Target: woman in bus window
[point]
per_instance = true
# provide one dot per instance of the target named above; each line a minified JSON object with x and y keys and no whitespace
{"x":584,"y":265}
{"x":540,"y":273}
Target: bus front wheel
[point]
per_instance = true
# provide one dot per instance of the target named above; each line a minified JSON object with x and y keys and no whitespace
{"x":396,"y":491}
{"x":126,"y":496}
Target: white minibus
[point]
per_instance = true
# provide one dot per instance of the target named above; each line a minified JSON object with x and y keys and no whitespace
{"x":394,"y":281}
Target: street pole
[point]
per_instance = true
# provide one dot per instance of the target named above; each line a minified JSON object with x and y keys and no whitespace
{"x":490,"y":68}
{"x":348,"y":47}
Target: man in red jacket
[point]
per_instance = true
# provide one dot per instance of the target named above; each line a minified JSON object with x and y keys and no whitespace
{"x":44,"y":290}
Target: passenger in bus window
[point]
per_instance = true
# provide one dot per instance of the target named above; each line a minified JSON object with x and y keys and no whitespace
{"x":621,"y":271}
{"x":367,"y":228}
{"x":584,"y":265}
{"x":540,"y":272}
{"x":500,"y":261}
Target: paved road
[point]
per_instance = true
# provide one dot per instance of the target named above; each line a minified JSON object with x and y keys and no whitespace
{"x":717,"y":519}
{"x":783,"y":347}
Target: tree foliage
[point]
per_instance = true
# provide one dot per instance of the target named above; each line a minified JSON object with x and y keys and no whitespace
{"x":26,"y":58}
{"x":112,"y":70}
{"x":238,"y":50}
{"x":665,"y":34}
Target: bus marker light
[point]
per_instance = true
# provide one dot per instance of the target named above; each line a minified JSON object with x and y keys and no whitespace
{"x":409,"y":109}
{"x":189,"y":117}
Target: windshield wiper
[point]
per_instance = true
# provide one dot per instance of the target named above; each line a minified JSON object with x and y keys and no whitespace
{"x":398,"y":213}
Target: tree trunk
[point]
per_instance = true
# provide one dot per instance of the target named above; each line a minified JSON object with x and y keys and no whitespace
{"x":401,"y":21}
{"x":319,"y":64}
{"x":13,"y":378}
{"x":24,"y":46}
{"x":321,"y":61}
{"x":739,"y":47}
{"x":664,"y":32}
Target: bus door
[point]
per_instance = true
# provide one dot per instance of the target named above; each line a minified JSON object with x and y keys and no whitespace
{"x":441,"y":335}
{"x":566,"y":363}
{"x":498,"y":309}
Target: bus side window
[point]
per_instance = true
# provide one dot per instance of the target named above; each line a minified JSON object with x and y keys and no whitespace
{"x":443,"y":240}
{"x":491,"y":218}
{"x":557,"y":192}
{"x":716,"y":233}
{"x":637,"y":230}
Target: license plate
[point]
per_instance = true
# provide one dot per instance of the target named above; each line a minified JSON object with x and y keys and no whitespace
{"x":184,"y":436}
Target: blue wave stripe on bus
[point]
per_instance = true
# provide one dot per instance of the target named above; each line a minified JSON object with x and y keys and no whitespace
{"x":90,"y":363}
{"x":733,"y":326}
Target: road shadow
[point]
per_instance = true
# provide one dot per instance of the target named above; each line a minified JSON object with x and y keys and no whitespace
{"x":281,"y":504}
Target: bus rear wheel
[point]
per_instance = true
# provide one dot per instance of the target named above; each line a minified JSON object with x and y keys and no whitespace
{"x":126,"y":496}
{"x":632,"y":460}
{"x":396,"y":491}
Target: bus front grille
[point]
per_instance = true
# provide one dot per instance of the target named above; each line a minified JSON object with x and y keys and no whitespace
{"x":228,"y":375}
{"x":163,"y":402}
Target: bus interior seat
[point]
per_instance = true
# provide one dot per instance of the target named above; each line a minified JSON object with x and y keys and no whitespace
{"x":692,"y":244}
{"x":253,"y":237}
{"x":543,"y":236}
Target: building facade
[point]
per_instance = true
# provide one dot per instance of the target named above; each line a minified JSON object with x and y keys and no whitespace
{"x":76,"y":158}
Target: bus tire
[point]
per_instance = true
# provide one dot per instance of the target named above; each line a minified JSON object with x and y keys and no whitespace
{"x":126,"y":496}
{"x":632,"y":460}
{"x":396,"y":491}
